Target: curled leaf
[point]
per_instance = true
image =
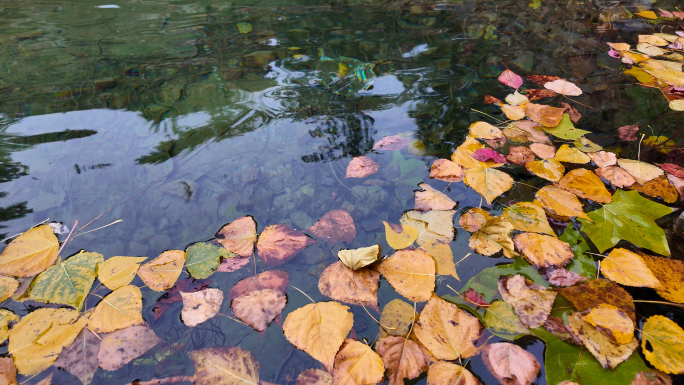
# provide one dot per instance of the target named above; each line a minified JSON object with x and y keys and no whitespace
{"x":358,"y":258}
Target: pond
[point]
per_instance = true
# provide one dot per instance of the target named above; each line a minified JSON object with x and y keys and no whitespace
{"x":166,"y":120}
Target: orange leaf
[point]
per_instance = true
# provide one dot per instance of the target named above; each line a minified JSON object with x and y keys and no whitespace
{"x":239,"y":236}
{"x":279,"y":243}
{"x":402,"y":357}
{"x":411,"y":273}
{"x":354,"y":287}
{"x":258,"y":308}
{"x":335,"y":226}
{"x":432,"y":199}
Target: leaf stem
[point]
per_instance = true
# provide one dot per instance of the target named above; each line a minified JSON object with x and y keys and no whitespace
{"x":168,"y":380}
{"x":661,"y":303}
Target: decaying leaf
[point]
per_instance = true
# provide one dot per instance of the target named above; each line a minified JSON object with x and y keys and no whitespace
{"x":411,"y":273}
{"x":670,"y":273}
{"x":533,"y":131}
{"x":201,"y":305}
{"x":563,"y":87}
{"x":585,"y":184}
{"x":335,"y":226}
{"x":119,"y":271}
{"x":672,"y":169}
{"x":402,"y":237}
{"x":556,"y":327}
{"x":447,"y":331}
{"x":30,"y":254}
{"x":537,"y":93}
{"x":487,"y":154}
{"x":527,"y":216}
{"x":560,"y":203}
{"x":587,"y":146}
{"x":484,"y":130}
{"x":319,"y":329}
{"x":654,"y":377}
{"x":188,"y":285}
{"x":494,"y":236}
{"x":274,"y":279}
{"x":502,"y":320}
{"x":590,"y":294}
{"x":354,"y":287}
{"x":278,"y":244}
{"x":489,"y":182}
{"x":8,"y":286}
{"x":660,"y":187}
{"x":543,"y":250}
{"x":628,"y":268}
{"x":6,"y":317}
{"x":358,"y":258}
{"x":617,"y":176}
{"x":124,"y":345}
{"x":443,"y":256}
{"x":402,"y":357}
{"x":520,"y":155}
{"x":641,"y":171}
{"x":396,"y":319}
{"x":564,"y":278}
{"x":162,"y":272}
{"x":532,"y":303}
{"x":80,"y":359}
{"x":475,"y":298}
{"x":569,"y":154}
{"x":392,"y":143}
{"x":445,"y":373}
{"x":230,"y":265}
{"x":510,"y":364}
{"x":239,"y":236}
{"x":119,"y":309}
{"x":432,"y":226}
{"x":662,"y":344}
{"x":608,"y":354}
{"x":225,"y":365}
{"x":314,"y":377}
{"x":257,"y":308}
{"x":446,"y":170}
{"x":612,"y":322}
{"x":627,"y":133}
{"x":548,"y":169}
{"x":361,"y":167}
{"x":357,"y":364}
{"x":473,"y":219}
{"x":203,"y":258}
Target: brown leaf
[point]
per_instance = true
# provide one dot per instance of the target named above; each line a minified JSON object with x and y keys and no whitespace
{"x":560,"y":203}
{"x":556,"y":327}
{"x":603,"y":158}
{"x":446,"y":170}
{"x":446,"y":373}
{"x":543,"y":151}
{"x":124,"y":345}
{"x":274,"y":279}
{"x":80,"y":359}
{"x":396,"y":319}
{"x":616,"y":176}
{"x":551,"y":116}
{"x":520,"y":155}
{"x":489,"y":99}
{"x":655,"y":377}
{"x":392,"y":143}
{"x":239,"y":236}
{"x":670,"y":273}
{"x":626,"y":133}
{"x":361,"y":167}
{"x":492,"y":237}
{"x":354,"y":287}
{"x":229,"y":265}
{"x":541,"y":79}
{"x":224,"y":365}
{"x":279,"y":243}
{"x":496,"y":143}
{"x":575,"y":115}
{"x":660,"y":188}
{"x":187,"y":285}
{"x":8,"y":373}
{"x":200,"y":306}
{"x":432,"y":199}
{"x":612,"y":322}
{"x":162,"y":272}
{"x":510,"y":364}
{"x":532,"y":303}
{"x":590,"y":294}
{"x":258,"y":308}
{"x":356,"y":363}
{"x":314,"y":377}
{"x":403,"y":358}
{"x":564,"y":278}
{"x":411,"y":273}
{"x":335,"y":226}
{"x":585,"y":184}
{"x":538,"y":93}
{"x":473,"y":219}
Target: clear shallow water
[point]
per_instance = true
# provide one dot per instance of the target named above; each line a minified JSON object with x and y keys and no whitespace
{"x":98,"y":102}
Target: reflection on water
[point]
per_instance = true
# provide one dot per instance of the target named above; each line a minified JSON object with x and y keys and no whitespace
{"x":256,"y":108}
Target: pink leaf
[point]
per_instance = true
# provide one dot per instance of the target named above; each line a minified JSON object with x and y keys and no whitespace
{"x":392,"y":143}
{"x":475,"y":297}
{"x":614,"y":53}
{"x":672,"y":169}
{"x":485,"y":154}
{"x":563,"y":278}
{"x":510,"y":79}
{"x":361,"y":167}
{"x":664,"y":13}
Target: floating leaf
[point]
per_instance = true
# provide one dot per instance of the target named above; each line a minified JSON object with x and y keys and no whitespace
{"x":527,"y":216}
{"x":119,"y":309}
{"x":118,"y":271}
{"x":6,"y":317}
{"x":571,"y":155}
{"x":354,"y":287}
{"x":239,"y":236}
{"x":335,"y":226}
{"x":203,"y":258}
{"x":627,"y":268}
{"x":8,"y":286}
{"x":566,"y":130}
{"x":510,"y":364}
{"x":400,"y":239}
{"x":484,"y":130}
{"x":411,"y":273}
{"x":162,"y":272}
{"x":489,"y":182}
{"x":617,"y":176}
{"x":551,"y":116}
{"x":225,"y":365}
{"x":258,"y":308}
{"x":591,"y":294}
{"x":513,"y":112}
{"x":188,"y":285}
{"x":67,"y":282}
{"x":274,"y":279}
{"x":543,"y":250}
{"x":564,"y":278}
{"x":510,"y":79}
{"x":665,"y":339}
{"x":314,"y":377}
{"x":443,"y":256}
{"x":670,"y":273}
{"x":392,"y":143}
{"x":501,"y":320}
{"x":8,"y":373}
{"x":446,"y":170}
{"x":279,"y":243}
{"x":556,"y":327}
{"x":447,"y":331}
{"x":533,"y":131}
{"x":643,"y":172}
{"x":319,"y":329}
{"x":630,"y":217}
{"x":432,"y":199}
{"x":563,"y":87}
{"x":475,"y":298}
{"x":441,"y":373}
{"x":358,"y":258}
{"x":532,"y":303}
{"x":356,"y":363}
{"x":660,"y":187}
{"x":606,"y":352}
{"x":403,"y":358}
{"x":585,"y":184}
{"x":672,"y":169}
{"x":397,"y":316}
{"x":30,"y":254}
{"x":473,"y":219}
{"x":230,"y":265}
{"x":548,"y":169}
{"x":432,"y":226}
{"x":361,"y":167}
{"x":543,"y":151}
{"x":520,"y":155}
{"x":494,"y":236}
{"x":124,"y":345}
{"x":486,"y":154}
{"x":612,"y":322}
{"x":560,"y":203}
{"x":80,"y":359}
{"x":200,"y":306}
{"x":516,"y":99}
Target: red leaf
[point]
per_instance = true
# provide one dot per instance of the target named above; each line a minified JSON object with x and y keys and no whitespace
{"x":485,"y":154}
{"x":489,"y":99}
{"x":475,"y":298}
{"x":510,"y":79}
{"x":392,"y":143}
{"x":672,"y":169}
{"x":542,"y":79}
{"x":335,"y":226}
{"x":274,"y":279}
{"x":626,"y":133}
{"x":538,"y":93}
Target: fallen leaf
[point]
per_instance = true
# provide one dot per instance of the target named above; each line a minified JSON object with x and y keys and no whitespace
{"x":6,"y":318}
{"x":560,"y":203}
{"x":627,"y":133}
{"x":47,"y":380}
{"x":188,"y":285}
{"x":8,"y":373}
{"x":119,"y":309}
{"x":646,"y":14}
{"x":230,"y":265}
{"x":463,"y":154}
{"x":612,"y":322}
{"x":542,"y":79}
{"x":400,"y":239}
{"x":678,"y":183}
{"x":396,"y":319}
{"x":643,"y":172}
{"x":484,"y":130}
{"x":617,"y":176}
{"x":124,"y":345}
{"x":510,"y":79}
{"x":443,"y":256}
{"x":357,"y":364}
{"x":278,"y":244}
{"x":354,"y":287}
{"x":536,"y":93}
{"x":162,"y":272}
{"x":533,"y":111}
{"x":411,"y":273}
{"x":587,"y":146}
{"x":319,"y":329}
{"x":494,"y":236}
{"x":67,"y":282}
{"x":543,"y":250}
{"x":564,"y":278}
{"x":520,"y":155}
{"x":335,"y":226}
{"x":257,"y":308}
{"x":473,"y":219}
{"x":201,"y":305}
{"x":571,"y":155}
{"x":565,"y":129}
{"x":533,"y":130}
{"x":485,"y":154}
{"x":532,"y":303}
{"x":446,"y":170}
{"x":563,"y":87}
{"x":527,"y":216}
{"x":543,"y":151}
{"x":80,"y":359}
{"x":551,"y":116}
{"x":652,"y":50}
{"x":475,"y":298}
{"x":204,"y":258}
{"x":225,"y":365}
{"x":660,"y":187}
{"x":516,"y":99}
{"x":446,"y":373}
{"x":510,"y":364}
{"x":513,"y":112}
{"x":392,"y":143}
{"x":361,"y":167}
{"x":239,"y":236}
{"x":664,"y":337}
{"x":603,"y":158}
{"x":403,"y":358}
{"x":489,"y":100}
{"x":651,"y":378}
{"x":358,"y":258}
{"x":118,"y":271}
{"x":585,"y":184}
{"x":30,"y":253}
{"x":501,"y":319}
{"x":575,"y":115}
{"x":590,"y":294}
{"x":629,"y":269}
{"x":434,"y":225}
{"x":653,"y":39}
{"x":608,"y":354}
{"x":274,"y":279}
{"x":556,"y":327}
{"x":548,"y":169}
{"x":432,"y":199}
{"x":489,"y":182}
{"x":314,"y":377}
{"x":619,"y":46}
{"x":670,"y":273}
{"x":8,"y":286}
{"x":447,"y":331}
{"x":672,"y":169}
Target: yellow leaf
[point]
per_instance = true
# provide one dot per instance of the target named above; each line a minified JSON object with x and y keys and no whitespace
{"x":635,"y":57}
{"x":8,"y":286}
{"x":400,"y":240}
{"x":443,"y":256}
{"x":30,"y":253}
{"x":670,"y":273}
{"x":444,"y":373}
{"x":548,"y":169}
{"x":677,"y":105}
{"x":627,"y":268}
{"x":561,"y":203}
{"x":513,"y":112}
{"x":571,"y":155}
{"x":665,"y":339}
{"x":463,"y":154}
{"x":6,"y":317}
{"x":162,"y":272}
{"x":314,"y":377}
{"x":543,"y":250}
{"x":651,"y":50}
{"x":358,"y":258}
{"x":669,"y":76}
{"x":612,"y":322}
{"x":225,"y":366}
{"x":119,"y":271}
{"x":37,"y":340}
{"x":532,"y":303}
{"x":608,"y":354}
{"x":647,"y":15}
{"x":319,"y":329}
{"x":484,"y":130}
{"x":473,"y":219}
{"x":489,"y":182}
{"x":585,"y":184}
{"x":434,"y":225}
{"x":653,"y":39}
{"x":356,"y":363}
{"x":411,"y":273}
{"x":432,"y":199}
{"x":118,"y":310}
{"x":517,"y":99}
{"x":619,"y":46}
{"x":527,"y":216}
{"x":494,"y":235}
{"x":396,"y":318}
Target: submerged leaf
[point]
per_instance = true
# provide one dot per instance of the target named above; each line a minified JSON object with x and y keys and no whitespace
{"x":335,"y":226}
{"x":411,"y":273}
{"x":354,"y":287}
{"x":124,"y":345}
{"x":200,"y":306}
{"x":392,"y":143}
{"x":279,"y":243}
{"x":162,"y":272}
{"x":225,"y":365}
{"x":510,"y":364}
{"x":357,"y":364}
{"x":30,"y":254}
{"x":119,"y":271}
{"x":239,"y":236}
{"x":432,"y":226}
{"x":119,"y":309}
{"x":446,"y":170}
{"x":532,"y":303}
{"x":432,"y":199}
{"x":665,"y":339}
{"x":258,"y":308}
{"x":80,"y":359}
{"x":361,"y":167}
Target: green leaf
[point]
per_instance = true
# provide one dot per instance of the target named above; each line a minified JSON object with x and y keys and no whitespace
{"x":411,"y":171}
{"x":67,"y":282}
{"x":630,"y":217}
{"x":501,"y":320}
{"x":565,"y":129}
{"x":581,"y":264}
{"x":203,"y":258}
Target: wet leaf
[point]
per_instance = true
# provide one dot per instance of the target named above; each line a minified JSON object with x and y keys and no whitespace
{"x":124,"y":345}
{"x":550,"y":116}
{"x":627,"y":268}
{"x":575,"y":115}
{"x":665,"y":339}
{"x":548,"y":169}
{"x":225,"y":365}
{"x":571,"y":155}
{"x":473,"y":219}
{"x":432,"y":199}
{"x":447,"y":331}
{"x":565,"y":129}
{"x":516,"y":99}
{"x":563,"y":87}
{"x":203,"y":258}
{"x":278,"y":244}
{"x":162,"y":272}
{"x":434,"y":225}
{"x":672,"y":169}
{"x":630,"y":217}
{"x":603,"y":158}
{"x":335,"y":226}
{"x":494,"y":236}
{"x":397,"y":316}
{"x":606,"y":352}
{"x":403,"y":358}
{"x":612,"y":322}
{"x":8,"y":373}
{"x":513,"y":112}
{"x":8,"y":286}
{"x":475,"y":298}
{"x":411,"y":273}
{"x":643,"y":172}
{"x":678,"y":183}
{"x":542,"y":79}
{"x":660,"y":187}
{"x":274,"y":279}
{"x":443,"y":256}
{"x":536,"y":93}
{"x":354,"y":287}
{"x":118,"y":271}
{"x":6,"y":317}
{"x":201,"y":305}
{"x":80,"y":359}
{"x":543,"y":250}
{"x":463,"y":154}
{"x":445,"y":373}
{"x":510,"y":364}
{"x":392,"y":143}
{"x":617,"y":176}
{"x":484,"y":130}
{"x":585,"y":145}
{"x":556,"y":327}
{"x":319,"y":329}
{"x":30,"y":254}
{"x":585,"y":184}
{"x":670,"y":273}
{"x":357,"y":364}
{"x":591,"y":294}
{"x":40,"y":336}
{"x":486,"y":154}
{"x":520,"y":155}
{"x":560,"y":202}
{"x":543,"y":151}
{"x":67,"y":282}
{"x":258,"y":308}
{"x":314,"y":377}
{"x":501,"y":320}
{"x":532,"y":303}
{"x":527,"y":216}
{"x":230,"y":265}
{"x":510,"y":79}
{"x":358,"y":258}
{"x":533,"y":130}
{"x":446,"y":170}
{"x":627,"y":133}
{"x":651,"y":378}
{"x":564,"y":278}
{"x":119,"y":309}
{"x":361,"y":167}
{"x":239,"y":236}
{"x":400,"y":239}
{"x":489,"y":182}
